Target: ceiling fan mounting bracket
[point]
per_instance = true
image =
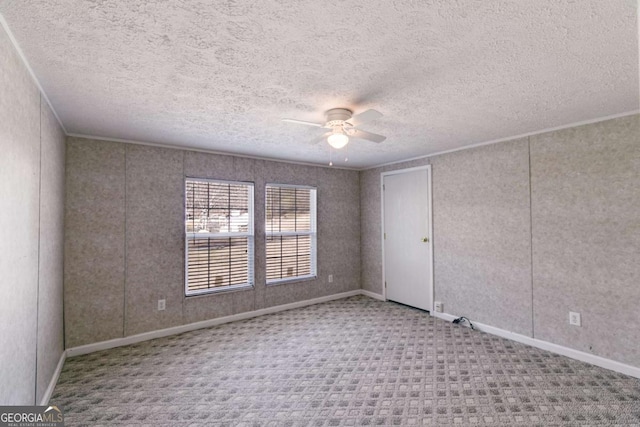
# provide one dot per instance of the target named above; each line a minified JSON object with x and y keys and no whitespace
{"x":337,"y":117}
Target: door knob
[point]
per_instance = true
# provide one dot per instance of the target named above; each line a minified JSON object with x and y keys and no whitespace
{"x":425,"y":239}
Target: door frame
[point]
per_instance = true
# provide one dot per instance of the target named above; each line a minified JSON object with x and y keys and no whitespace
{"x":429,"y":226}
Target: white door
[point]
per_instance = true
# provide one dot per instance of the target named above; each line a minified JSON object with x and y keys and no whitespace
{"x":407,"y":237}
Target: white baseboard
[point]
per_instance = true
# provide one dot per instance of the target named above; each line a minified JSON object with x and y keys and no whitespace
{"x":133,"y":339}
{"x":54,"y":380}
{"x":444,"y":316}
{"x":602,"y":362}
{"x":372,"y":295}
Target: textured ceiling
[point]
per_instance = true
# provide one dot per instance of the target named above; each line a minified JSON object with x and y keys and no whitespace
{"x":220,"y":75}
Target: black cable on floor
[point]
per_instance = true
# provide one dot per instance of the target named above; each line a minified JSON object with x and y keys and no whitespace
{"x":461,"y":320}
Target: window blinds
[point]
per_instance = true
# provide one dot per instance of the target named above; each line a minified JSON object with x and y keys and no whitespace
{"x":290,"y":232}
{"x":219,"y":235}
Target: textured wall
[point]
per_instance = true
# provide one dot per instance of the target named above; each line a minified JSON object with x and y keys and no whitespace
{"x":482,"y":235}
{"x":94,"y":241}
{"x":585,"y":202}
{"x":370,"y":223}
{"x":19,"y":222}
{"x":339,"y":224}
{"x":51,"y":275}
{"x":154,"y":238}
{"x":30,"y":235}
{"x":142,"y":188}
{"x":521,"y":261}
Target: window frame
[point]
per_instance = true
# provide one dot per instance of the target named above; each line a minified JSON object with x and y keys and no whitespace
{"x":249,"y":234}
{"x":313,"y":233}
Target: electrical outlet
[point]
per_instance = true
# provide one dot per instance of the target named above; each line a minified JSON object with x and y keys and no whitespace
{"x":438,"y":306}
{"x":162,"y":304}
{"x":574,"y":319}
{"x":330,"y":278}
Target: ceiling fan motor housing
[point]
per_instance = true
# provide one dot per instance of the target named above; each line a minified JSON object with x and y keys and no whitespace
{"x":337,"y":117}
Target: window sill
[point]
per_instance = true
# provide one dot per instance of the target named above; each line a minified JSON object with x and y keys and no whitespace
{"x":214,"y":291}
{"x":291,"y":280}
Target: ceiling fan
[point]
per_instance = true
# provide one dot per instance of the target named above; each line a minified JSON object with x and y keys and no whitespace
{"x":343,"y":124}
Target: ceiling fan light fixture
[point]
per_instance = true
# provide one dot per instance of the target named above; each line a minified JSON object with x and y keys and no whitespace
{"x":338,"y":140}
{"x":343,"y":124}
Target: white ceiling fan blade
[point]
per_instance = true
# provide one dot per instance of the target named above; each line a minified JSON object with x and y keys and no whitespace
{"x":364,"y":117}
{"x":361,"y":134}
{"x":321,"y":138}
{"x":302,"y":122}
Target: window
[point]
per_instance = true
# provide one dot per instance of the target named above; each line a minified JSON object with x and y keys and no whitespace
{"x":219,"y":235}
{"x":290,"y":232}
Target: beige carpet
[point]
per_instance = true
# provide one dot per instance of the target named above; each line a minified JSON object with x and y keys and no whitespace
{"x":349,"y":362}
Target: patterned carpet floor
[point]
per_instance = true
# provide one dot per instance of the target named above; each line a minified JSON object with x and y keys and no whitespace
{"x":349,"y":362}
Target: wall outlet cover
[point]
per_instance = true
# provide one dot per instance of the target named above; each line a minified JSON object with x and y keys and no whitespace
{"x":162,"y":304}
{"x":574,"y":319}
{"x":330,"y":278}
{"x":438,"y":306}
